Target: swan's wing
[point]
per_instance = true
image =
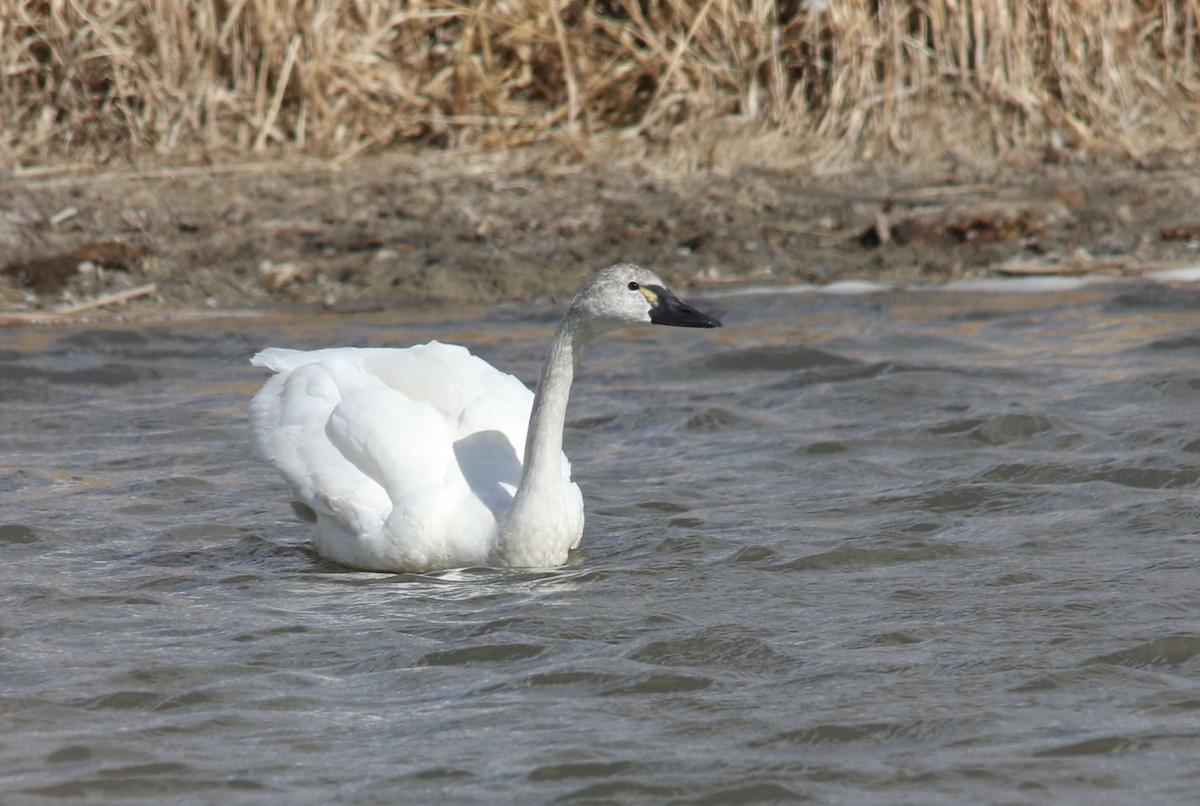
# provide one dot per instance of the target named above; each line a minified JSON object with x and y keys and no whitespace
{"x":465,"y":389}
{"x":436,"y":517}
{"x":289,"y":420}
{"x":468,"y":391}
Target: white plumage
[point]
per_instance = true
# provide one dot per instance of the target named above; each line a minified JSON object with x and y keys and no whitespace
{"x":416,"y":459}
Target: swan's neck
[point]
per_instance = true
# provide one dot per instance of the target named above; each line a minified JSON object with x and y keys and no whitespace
{"x":540,"y":527}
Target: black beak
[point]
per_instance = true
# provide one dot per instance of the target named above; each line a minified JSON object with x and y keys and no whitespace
{"x":668,"y":309}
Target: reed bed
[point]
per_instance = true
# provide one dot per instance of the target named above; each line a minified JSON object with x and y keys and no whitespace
{"x":840,"y":79}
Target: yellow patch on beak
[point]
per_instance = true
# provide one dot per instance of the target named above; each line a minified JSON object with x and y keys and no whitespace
{"x":650,"y":295}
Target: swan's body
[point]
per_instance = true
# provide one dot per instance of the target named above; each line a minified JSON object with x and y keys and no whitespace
{"x":427,"y":457}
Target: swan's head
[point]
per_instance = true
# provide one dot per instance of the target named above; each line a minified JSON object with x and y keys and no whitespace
{"x":626,"y":294}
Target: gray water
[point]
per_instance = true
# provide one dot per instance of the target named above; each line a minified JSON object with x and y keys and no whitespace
{"x":912,"y":547}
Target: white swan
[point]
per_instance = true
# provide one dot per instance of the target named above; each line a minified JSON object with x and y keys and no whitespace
{"x":411,"y":459}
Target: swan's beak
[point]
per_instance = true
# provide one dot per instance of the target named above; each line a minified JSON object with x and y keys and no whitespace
{"x":668,"y":309}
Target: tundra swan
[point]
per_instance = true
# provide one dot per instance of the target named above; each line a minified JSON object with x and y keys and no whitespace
{"x":427,"y":457}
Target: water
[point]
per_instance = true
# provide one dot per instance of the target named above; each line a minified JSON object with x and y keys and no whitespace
{"x":910,"y":547}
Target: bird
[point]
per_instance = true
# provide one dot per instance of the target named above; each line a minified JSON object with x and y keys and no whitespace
{"x":428,"y":458}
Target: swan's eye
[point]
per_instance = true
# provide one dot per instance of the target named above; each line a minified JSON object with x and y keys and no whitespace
{"x":633,"y":286}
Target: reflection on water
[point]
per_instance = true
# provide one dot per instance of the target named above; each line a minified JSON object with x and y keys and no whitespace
{"x":903,"y":547}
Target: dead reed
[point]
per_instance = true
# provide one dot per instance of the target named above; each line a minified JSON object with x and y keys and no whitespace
{"x":840,"y":79}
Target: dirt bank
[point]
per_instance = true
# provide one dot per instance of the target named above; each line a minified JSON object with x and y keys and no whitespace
{"x":415,"y":228}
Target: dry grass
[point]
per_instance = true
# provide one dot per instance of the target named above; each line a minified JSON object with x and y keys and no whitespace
{"x":837,"y":79}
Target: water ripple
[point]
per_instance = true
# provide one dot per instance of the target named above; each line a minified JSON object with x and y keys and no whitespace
{"x":912,"y":547}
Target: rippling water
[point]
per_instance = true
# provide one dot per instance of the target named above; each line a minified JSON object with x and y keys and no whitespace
{"x":909,"y":547}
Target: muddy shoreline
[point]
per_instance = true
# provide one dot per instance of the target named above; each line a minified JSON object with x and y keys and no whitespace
{"x":419,"y":228}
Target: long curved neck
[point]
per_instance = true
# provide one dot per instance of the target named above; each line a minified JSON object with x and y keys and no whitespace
{"x":543,"y":441}
{"x":537,"y":524}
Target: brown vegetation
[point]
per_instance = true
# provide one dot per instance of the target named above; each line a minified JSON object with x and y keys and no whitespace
{"x":98,"y":79}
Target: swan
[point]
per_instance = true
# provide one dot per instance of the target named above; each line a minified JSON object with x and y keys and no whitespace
{"x":427,"y":458}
